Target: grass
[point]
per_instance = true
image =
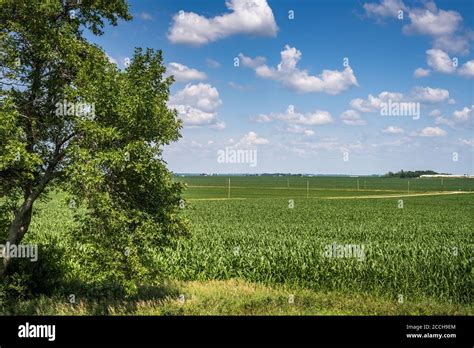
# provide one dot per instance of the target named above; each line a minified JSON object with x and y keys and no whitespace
{"x":238,"y":297}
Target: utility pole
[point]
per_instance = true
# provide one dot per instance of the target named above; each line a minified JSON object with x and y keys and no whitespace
{"x":228,"y":191}
{"x":307,"y":188}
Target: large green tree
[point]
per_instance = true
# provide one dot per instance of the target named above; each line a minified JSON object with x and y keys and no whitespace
{"x":70,"y":120}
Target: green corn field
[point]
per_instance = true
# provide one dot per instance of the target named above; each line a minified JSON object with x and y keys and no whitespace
{"x":422,"y":249}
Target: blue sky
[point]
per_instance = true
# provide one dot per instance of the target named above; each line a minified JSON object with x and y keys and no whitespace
{"x":295,"y":100}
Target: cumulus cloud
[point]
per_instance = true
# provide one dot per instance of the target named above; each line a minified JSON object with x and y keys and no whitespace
{"x":293,"y":128}
{"x":197,"y":105}
{"x":316,"y":118}
{"x":429,"y":95}
{"x":433,"y":21}
{"x":445,"y":28}
{"x":288,"y":74}
{"x":192,"y":116}
{"x":467,"y":69}
{"x":251,"y":139}
{"x":430,"y":132}
{"x":441,"y":120}
{"x":420,"y":72}
{"x":463,"y":115}
{"x":439,"y":61}
{"x":386,"y":8}
{"x":219,"y":125}
{"x":435,"y":113}
{"x":182,"y":73}
{"x":202,"y":95}
{"x":352,"y":118}
{"x":458,"y":117}
{"x":373,"y":104}
{"x":393,"y":130}
{"x":254,"y":17}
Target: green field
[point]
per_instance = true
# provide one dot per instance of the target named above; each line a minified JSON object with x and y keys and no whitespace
{"x":421,"y":250}
{"x":413,"y":249}
{"x":297,"y":186}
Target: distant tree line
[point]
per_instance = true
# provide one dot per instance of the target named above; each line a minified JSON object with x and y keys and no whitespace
{"x":409,"y":174}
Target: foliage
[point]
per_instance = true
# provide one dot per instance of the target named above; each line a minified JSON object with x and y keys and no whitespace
{"x":71,"y":120}
{"x":410,"y":174}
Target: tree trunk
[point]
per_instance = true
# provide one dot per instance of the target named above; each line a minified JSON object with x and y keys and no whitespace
{"x":22,"y":220}
{"x":17,"y":230}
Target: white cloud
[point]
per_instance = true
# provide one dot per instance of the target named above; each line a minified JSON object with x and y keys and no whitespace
{"x":440,"y":61}
{"x":454,"y":44}
{"x":193,"y":116}
{"x":352,"y":118}
{"x":253,"y":63}
{"x":469,"y":142}
{"x":212,"y":63}
{"x":420,"y":72}
{"x":393,"y":130}
{"x":431,"y":132}
{"x":444,"y":27}
{"x":197,"y":105}
{"x":386,"y":8}
{"x":435,"y":113}
{"x":372,"y":104}
{"x":463,"y":115}
{"x":440,"y":120}
{"x":433,"y":22}
{"x":195,"y":144}
{"x":293,"y":128}
{"x":429,"y":95}
{"x":219,"y":125}
{"x":239,"y":87}
{"x":126,"y":62}
{"x":289,"y":75}
{"x":111,"y":59}
{"x":418,"y":94}
{"x":253,"y":17}
{"x":145,"y":16}
{"x":316,"y":118}
{"x":182,"y":73}
{"x":251,"y":139}
{"x":467,"y":69}
{"x":263,"y":118}
{"x":458,"y":117}
{"x":202,"y":96}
